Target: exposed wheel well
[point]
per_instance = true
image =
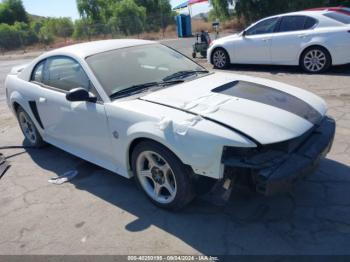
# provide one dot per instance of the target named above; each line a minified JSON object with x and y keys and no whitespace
{"x":134,"y":143}
{"x":15,"y":106}
{"x":216,"y":48}
{"x":313,"y":46}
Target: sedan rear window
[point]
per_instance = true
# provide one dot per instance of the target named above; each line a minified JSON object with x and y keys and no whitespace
{"x":292,"y":23}
{"x":337,"y":16}
{"x":296,"y":23}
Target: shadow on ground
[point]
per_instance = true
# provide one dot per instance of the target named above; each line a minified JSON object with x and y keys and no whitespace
{"x":314,"y":219}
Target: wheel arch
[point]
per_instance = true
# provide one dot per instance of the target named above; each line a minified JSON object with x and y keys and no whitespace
{"x":16,"y":100}
{"x":137,"y":140}
{"x":312,"y":46}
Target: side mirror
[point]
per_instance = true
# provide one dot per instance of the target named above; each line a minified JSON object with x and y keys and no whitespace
{"x":244,"y":33}
{"x":80,"y":94}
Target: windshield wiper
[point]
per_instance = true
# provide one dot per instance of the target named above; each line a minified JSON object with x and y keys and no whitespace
{"x":142,"y":87}
{"x":184,"y":73}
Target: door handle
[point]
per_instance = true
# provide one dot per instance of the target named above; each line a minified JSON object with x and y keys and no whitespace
{"x":42,"y":100}
{"x":302,"y":36}
{"x":266,"y":39}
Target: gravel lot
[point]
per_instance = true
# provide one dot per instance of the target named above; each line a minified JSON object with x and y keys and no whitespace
{"x":101,"y":213}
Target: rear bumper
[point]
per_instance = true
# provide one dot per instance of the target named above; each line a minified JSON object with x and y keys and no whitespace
{"x":281,"y":175}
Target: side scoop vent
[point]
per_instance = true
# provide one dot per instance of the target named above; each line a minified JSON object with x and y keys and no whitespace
{"x":35,"y":112}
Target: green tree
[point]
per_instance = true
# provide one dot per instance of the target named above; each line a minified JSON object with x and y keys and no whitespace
{"x":81,"y":29}
{"x":93,"y":9}
{"x":45,"y":35}
{"x":220,"y":9}
{"x":128,"y":18}
{"x":25,"y":34}
{"x":157,"y":14}
{"x":17,"y":35}
{"x":9,"y":37}
{"x":35,"y":25}
{"x":63,"y":27}
{"x":166,"y":15}
{"x":12,"y":11}
{"x":339,"y":3}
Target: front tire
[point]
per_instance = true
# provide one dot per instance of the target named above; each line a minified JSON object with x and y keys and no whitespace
{"x":164,"y":179}
{"x":220,"y":58}
{"x":29,"y":129}
{"x":315,"y":60}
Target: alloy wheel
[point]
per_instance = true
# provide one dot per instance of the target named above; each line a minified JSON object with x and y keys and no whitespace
{"x":27,"y":127}
{"x":219,"y":58}
{"x":156,"y":177}
{"x":315,"y":60}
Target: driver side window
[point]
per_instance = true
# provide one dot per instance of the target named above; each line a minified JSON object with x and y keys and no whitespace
{"x":65,"y":74}
{"x":264,"y":27}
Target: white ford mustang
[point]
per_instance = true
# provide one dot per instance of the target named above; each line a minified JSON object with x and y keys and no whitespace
{"x":315,"y":40}
{"x":141,"y":109}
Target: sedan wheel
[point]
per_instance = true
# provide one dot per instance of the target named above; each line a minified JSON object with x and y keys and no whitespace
{"x":161,"y":175}
{"x":315,"y":60}
{"x":220,"y":58}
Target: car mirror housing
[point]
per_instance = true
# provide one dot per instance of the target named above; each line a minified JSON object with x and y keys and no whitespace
{"x":80,"y":94}
{"x":244,"y":33}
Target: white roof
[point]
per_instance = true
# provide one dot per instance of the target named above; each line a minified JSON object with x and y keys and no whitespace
{"x":323,"y":21}
{"x":306,"y":12}
{"x":84,"y":50}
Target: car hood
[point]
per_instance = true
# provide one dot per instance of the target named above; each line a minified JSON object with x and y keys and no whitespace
{"x":263,"y":110}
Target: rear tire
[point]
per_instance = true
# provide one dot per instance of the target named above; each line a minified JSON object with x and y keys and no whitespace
{"x":164,"y":179}
{"x":29,"y":130}
{"x":315,"y":60}
{"x":220,"y":58}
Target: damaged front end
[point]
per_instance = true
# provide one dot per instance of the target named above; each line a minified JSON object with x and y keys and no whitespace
{"x":274,"y":168}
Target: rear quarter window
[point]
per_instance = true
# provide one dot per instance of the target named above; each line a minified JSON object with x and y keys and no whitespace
{"x":310,"y":22}
{"x":38,"y":72}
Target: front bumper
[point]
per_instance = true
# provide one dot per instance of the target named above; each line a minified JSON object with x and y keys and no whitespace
{"x":277,"y":170}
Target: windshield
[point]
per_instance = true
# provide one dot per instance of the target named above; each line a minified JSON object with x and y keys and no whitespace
{"x":119,"y":69}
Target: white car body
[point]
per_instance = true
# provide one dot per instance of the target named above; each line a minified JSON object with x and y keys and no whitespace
{"x":190,"y":119}
{"x":285,"y":48}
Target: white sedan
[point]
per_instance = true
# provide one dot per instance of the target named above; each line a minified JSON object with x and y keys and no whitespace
{"x":141,"y":109}
{"x":315,"y":40}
